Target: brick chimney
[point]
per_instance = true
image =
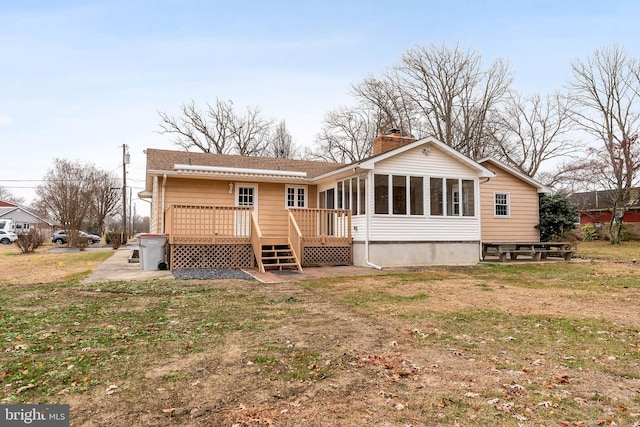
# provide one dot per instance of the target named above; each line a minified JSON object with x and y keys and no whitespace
{"x":390,"y":140}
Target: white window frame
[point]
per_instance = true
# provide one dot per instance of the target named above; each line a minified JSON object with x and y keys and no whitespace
{"x":407,"y":177}
{"x":507,"y":204}
{"x":456,"y":205}
{"x":296,"y":188}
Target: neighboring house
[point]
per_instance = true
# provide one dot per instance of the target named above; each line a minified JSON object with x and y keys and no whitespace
{"x":509,"y":204}
{"x":595,"y":207}
{"x":411,"y":203}
{"x":25,"y":220}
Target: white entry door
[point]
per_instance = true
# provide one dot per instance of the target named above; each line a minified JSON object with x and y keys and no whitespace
{"x":246,"y":195}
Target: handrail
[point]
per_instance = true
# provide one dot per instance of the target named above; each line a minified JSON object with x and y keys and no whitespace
{"x":295,"y":238}
{"x":256,"y":237}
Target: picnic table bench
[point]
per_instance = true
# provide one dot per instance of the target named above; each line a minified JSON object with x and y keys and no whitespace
{"x":536,"y":250}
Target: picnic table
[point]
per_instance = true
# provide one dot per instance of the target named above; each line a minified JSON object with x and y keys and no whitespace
{"x":536,"y":250}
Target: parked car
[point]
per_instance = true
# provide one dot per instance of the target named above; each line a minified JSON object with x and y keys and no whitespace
{"x":60,"y":237}
{"x":7,"y":237}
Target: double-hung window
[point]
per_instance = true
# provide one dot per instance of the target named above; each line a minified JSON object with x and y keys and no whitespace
{"x":501,"y":204}
{"x":296,"y":196}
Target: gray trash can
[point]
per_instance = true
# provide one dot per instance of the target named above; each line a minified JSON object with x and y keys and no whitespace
{"x":152,"y":250}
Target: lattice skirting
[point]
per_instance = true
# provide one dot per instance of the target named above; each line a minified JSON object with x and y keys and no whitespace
{"x":326,"y":255}
{"x":211,"y":256}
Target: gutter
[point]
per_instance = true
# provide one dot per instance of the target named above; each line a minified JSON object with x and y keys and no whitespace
{"x":366,"y":238}
{"x":164,"y":183}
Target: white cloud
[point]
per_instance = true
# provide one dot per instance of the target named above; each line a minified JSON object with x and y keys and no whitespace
{"x":5,"y":120}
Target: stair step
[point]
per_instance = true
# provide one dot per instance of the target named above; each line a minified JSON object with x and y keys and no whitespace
{"x":280,"y":266}
{"x":278,"y":256}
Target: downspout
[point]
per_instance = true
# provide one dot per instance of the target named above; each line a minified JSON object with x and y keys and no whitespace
{"x":366,"y":237}
{"x":164,"y":183}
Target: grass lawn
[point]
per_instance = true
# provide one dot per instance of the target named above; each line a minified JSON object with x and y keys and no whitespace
{"x":553,"y":343}
{"x":604,"y":250}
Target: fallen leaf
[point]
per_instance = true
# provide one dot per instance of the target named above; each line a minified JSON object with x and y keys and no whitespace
{"x":26,"y":387}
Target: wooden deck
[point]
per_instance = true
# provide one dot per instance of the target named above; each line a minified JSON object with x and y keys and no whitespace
{"x":313,"y":236}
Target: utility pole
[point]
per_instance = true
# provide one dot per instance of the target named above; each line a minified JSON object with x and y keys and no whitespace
{"x":131,"y":230}
{"x":125,"y":161}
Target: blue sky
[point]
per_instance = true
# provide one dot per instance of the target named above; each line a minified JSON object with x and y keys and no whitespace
{"x":80,"y":78}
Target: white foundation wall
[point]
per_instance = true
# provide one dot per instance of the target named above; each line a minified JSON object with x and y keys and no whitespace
{"x":406,"y":254}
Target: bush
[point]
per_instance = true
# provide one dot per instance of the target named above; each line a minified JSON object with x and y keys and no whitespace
{"x":589,"y":233}
{"x":114,"y":239}
{"x":557,"y":216}
{"x":82,"y":242}
{"x":29,"y":242}
{"x":624,"y":234}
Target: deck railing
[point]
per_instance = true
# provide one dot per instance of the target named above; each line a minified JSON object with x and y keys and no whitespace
{"x":196,"y":224}
{"x":323,"y":226}
{"x":256,"y":236}
{"x":193,"y":224}
{"x":295,"y":237}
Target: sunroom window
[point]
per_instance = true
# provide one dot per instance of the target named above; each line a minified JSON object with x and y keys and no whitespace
{"x":452,"y":197}
{"x":406,"y":194}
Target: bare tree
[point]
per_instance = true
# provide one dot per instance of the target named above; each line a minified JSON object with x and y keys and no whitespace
{"x":346,"y":136}
{"x":67,"y":194}
{"x":393,"y":108}
{"x":533,"y":130}
{"x":454,"y":94}
{"x":439,"y":91}
{"x":250,"y":133}
{"x":606,"y":89}
{"x":218,"y":130}
{"x":106,"y":199}
{"x":8,"y":196}
{"x":281,"y":144}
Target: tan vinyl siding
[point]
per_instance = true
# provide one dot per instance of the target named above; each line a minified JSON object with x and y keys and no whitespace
{"x":196,"y":192}
{"x":519,"y":226}
{"x":272,"y":214}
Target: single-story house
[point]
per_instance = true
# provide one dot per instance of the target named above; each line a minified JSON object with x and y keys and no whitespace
{"x":24,"y":219}
{"x":410,"y":203}
{"x":509,"y":204}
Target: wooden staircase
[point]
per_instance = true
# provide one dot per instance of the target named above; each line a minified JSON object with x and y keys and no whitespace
{"x":278,"y":256}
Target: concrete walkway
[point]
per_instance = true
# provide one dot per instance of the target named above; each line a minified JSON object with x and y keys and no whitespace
{"x":118,"y":267}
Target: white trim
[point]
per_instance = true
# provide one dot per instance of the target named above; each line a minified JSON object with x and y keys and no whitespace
{"x":506,"y":193}
{"x":242,"y":225}
{"x":541,"y":187}
{"x":254,"y":186}
{"x":179,"y":167}
{"x":369,"y":164}
{"x":296,"y":187}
